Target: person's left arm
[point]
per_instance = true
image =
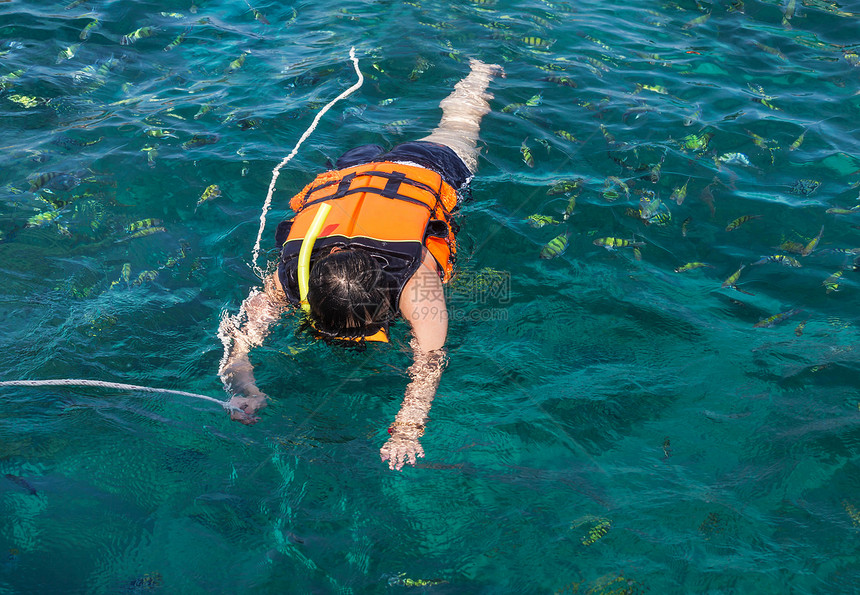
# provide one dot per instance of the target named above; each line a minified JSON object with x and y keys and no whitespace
{"x":422,"y":303}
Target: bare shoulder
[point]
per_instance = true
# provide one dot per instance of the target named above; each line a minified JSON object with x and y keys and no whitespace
{"x":422,"y":303}
{"x":423,"y":285}
{"x":428,"y":264}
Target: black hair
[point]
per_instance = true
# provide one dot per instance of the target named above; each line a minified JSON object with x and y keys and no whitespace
{"x":348,"y":292}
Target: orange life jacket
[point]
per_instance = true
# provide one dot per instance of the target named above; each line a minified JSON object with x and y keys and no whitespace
{"x":391,"y":209}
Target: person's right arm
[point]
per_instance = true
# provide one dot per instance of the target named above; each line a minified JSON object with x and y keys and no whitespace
{"x":422,"y":303}
{"x":240,"y":334}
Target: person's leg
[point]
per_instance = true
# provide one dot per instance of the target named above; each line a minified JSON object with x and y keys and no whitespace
{"x":462,"y":111}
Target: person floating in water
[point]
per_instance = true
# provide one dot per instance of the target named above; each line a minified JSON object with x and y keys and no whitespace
{"x":385,"y":248}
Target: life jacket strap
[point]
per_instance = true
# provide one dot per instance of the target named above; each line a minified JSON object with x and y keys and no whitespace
{"x":390,"y":190}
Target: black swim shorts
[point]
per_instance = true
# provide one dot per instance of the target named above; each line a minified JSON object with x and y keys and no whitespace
{"x":439,"y":158}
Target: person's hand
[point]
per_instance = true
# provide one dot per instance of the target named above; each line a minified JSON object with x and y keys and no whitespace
{"x":242,"y":409}
{"x":403,"y":447}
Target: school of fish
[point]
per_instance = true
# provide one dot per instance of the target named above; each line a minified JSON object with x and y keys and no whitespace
{"x":620,"y":190}
{"x":651,"y":183}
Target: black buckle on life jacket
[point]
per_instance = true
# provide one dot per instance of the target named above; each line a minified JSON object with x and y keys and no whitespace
{"x":393,"y":181}
{"x":392,"y":184}
{"x":343,"y":186}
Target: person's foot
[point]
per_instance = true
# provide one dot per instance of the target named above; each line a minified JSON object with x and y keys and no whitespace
{"x":488,"y":69}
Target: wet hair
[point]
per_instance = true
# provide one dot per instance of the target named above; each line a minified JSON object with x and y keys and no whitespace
{"x":348,"y":292}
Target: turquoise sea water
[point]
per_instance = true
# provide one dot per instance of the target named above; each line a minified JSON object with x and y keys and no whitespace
{"x":605,"y":424}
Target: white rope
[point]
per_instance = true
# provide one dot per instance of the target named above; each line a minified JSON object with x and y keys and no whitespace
{"x":99,"y":383}
{"x":276,"y":172}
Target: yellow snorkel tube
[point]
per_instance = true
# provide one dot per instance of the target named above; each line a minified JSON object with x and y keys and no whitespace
{"x":305,"y":254}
